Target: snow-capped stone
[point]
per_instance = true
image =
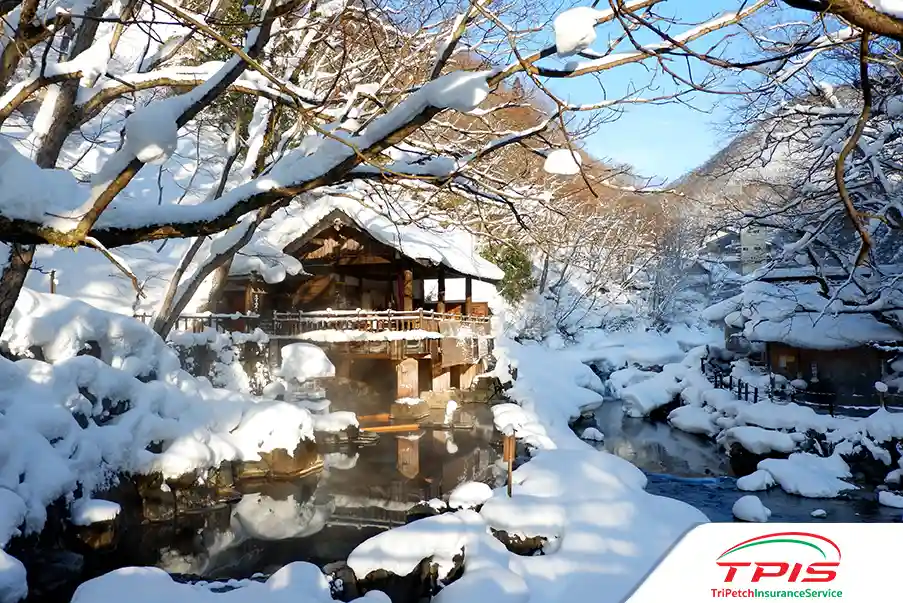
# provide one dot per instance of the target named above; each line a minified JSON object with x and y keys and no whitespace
{"x":750,"y":508}
{"x":890,"y":499}
{"x":562,"y":162}
{"x":881,"y":387}
{"x":305,"y":361}
{"x":87,"y":511}
{"x":575,"y":30}
{"x":756,"y":481}
{"x":13,"y":587}
{"x":818,"y":513}
{"x":469,"y":495}
{"x":592,"y":434}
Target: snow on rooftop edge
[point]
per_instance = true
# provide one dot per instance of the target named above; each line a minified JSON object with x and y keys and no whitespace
{"x":454,"y":248}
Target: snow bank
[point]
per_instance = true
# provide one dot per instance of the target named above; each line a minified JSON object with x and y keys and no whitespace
{"x":750,"y":508}
{"x":604,"y":530}
{"x":760,"y":427}
{"x":605,"y":533}
{"x":304,"y":361}
{"x":13,"y":586}
{"x":808,"y":475}
{"x":77,"y":421}
{"x":552,"y":387}
{"x":295,"y":582}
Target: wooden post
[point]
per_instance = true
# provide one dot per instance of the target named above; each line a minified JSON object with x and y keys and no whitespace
{"x":407,"y":372}
{"x":468,"y":296}
{"x":508,"y":457}
{"x":440,"y":296}
{"x":53,"y":281}
{"x":408,"y":291}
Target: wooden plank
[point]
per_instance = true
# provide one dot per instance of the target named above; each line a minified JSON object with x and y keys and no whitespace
{"x":392,"y":428}
{"x":380,"y":418}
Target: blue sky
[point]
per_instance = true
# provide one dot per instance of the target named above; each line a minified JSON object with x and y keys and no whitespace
{"x":662,"y":141}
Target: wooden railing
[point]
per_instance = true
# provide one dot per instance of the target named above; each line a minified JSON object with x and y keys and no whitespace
{"x":295,"y":324}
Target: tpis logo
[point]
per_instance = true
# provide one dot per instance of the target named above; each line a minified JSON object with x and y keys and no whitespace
{"x":782,"y":557}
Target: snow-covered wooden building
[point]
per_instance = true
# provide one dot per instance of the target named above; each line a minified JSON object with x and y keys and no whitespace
{"x":370,"y":289}
{"x":832,"y":343}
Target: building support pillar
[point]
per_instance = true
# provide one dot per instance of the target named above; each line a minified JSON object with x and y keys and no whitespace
{"x":408,"y":290}
{"x":441,"y":377}
{"x":468,"y":296}
{"x":407,"y":372}
{"x":440,"y":297}
{"x":469,"y":376}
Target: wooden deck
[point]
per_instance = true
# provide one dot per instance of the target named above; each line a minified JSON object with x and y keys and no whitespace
{"x":359,"y":325}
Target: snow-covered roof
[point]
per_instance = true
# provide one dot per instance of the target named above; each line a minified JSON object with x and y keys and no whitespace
{"x":797,"y":314}
{"x":449,"y":246}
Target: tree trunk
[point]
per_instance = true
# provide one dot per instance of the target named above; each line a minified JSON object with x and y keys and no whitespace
{"x":12,"y":279}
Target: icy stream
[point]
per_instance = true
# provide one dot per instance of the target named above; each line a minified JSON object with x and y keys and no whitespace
{"x":696,"y":471}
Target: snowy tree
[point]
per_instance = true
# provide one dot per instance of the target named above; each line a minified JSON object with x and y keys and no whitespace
{"x":108,"y":106}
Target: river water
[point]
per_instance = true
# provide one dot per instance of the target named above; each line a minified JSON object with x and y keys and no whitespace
{"x":696,"y":471}
{"x":366,"y":490}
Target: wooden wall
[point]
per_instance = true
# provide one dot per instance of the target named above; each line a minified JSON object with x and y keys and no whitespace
{"x":843,"y":372}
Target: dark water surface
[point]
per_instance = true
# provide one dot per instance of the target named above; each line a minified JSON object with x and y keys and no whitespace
{"x":696,"y":471}
{"x":361,"y":492}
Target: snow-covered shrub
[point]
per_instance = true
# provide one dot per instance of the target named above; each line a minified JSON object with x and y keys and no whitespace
{"x":73,"y":422}
{"x":232,"y":360}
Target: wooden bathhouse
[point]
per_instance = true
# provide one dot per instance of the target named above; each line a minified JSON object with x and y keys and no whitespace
{"x":352,"y":280}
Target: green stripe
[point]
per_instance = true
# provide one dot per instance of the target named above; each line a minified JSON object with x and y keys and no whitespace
{"x":790,"y":540}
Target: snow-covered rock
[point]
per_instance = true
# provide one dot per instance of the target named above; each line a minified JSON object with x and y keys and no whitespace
{"x":808,"y":475}
{"x":818,"y":513}
{"x":469,"y":495}
{"x":335,"y":422}
{"x":591,"y":434}
{"x":304,"y":361}
{"x":86,"y":511}
{"x":13,"y":585}
{"x":750,"y":508}
{"x":758,"y":440}
{"x":890,"y":499}
{"x":295,"y":582}
{"x":756,"y":481}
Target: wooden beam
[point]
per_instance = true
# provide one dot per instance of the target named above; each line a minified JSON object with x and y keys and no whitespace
{"x":392,"y":428}
{"x":380,"y":418}
{"x":468,"y":295}
{"x":440,"y":303}
{"x":408,"y":290}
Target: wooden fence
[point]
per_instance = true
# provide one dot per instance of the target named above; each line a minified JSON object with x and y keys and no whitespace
{"x":295,"y":324}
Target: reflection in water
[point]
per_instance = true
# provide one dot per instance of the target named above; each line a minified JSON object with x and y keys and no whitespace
{"x":322,"y":518}
{"x":656,"y":447}
{"x":696,"y":471}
